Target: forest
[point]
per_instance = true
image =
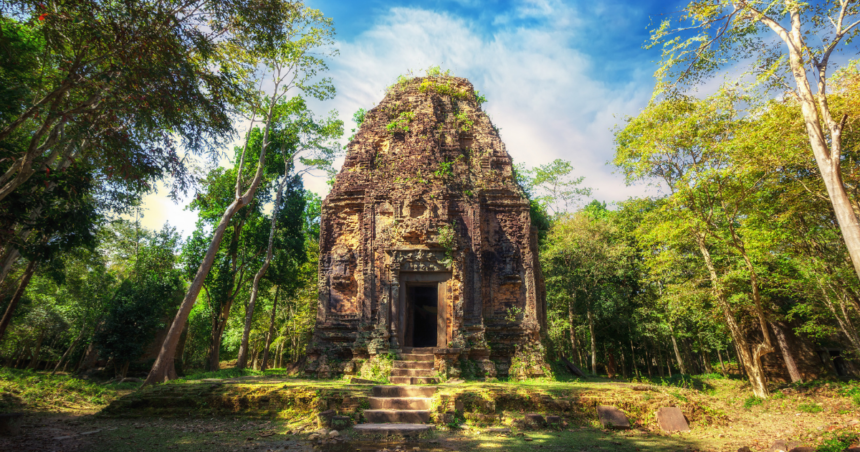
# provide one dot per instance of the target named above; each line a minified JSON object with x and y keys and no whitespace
{"x":744,"y":261}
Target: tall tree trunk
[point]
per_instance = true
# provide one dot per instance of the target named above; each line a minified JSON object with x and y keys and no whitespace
{"x":179,"y":361}
{"x":271,"y":334}
{"x":844,"y":324}
{"x":681,"y":367}
{"x":722,"y":366}
{"x":10,"y":256}
{"x":787,"y":357}
{"x":648,"y":362}
{"x":633,"y":355}
{"x":827,"y":157}
{"x":593,"y":342}
{"x":38,"y":350}
{"x":13,"y":303}
{"x":570,"y":316}
{"x":163,"y":368}
{"x":249,"y":309}
{"x":71,"y":347}
{"x":752,"y":362}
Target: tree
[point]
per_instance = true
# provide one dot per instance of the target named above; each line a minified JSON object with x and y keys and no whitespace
{"x":730,"y":31}
{"x":289,"y":57}
{"x":141,"y":302}
{"x":301,"y":139}
{"x":553,"y":186}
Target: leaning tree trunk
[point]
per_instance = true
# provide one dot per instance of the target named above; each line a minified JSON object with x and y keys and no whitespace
{"x":71,"y":347}
{"x":163,"y":369}
{"x":782,"y":342}
{"x":593,"y":342}
{"x":827,"y":157}
{"x":681,"y":367}
{"x":242,"y":361}
{"x":38,"y":351}
{"x":754,"y":368}
{"x":271,"y":333}
{"x":13,"y":303}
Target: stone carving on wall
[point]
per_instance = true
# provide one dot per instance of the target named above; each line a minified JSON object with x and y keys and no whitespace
{"x":509,"y":259}
{"x":342,"y":264}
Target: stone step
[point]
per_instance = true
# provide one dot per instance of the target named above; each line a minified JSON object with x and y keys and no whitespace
{"x":403,"y":391}
{"x":412,"y":372}
{"x":420,"y":350}
{"x":393,"y":429}
{"x":413,"y":380}
{"x":399,"y":403}
{"x":397,"y":416}
{"x":413,"y":364}
{"x":415,"y":357}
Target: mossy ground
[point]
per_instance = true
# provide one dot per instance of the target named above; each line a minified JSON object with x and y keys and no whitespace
{"x":227,"y":411}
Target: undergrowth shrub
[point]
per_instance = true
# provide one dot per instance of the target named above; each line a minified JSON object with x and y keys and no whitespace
{"x":837,"y":442}
{"x":752,"y":401}
{"x":377,"y":368}
{"x":36,"y":390}
{"x":810,"y":408}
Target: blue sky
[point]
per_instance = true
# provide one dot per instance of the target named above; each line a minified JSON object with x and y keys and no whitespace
{"x":558,"y":75}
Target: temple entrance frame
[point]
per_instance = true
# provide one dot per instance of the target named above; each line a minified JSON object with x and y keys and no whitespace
{"x":413,"y":266}
{"x":402,"y":322}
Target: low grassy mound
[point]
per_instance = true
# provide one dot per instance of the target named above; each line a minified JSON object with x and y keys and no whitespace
{"x":27,"y":390}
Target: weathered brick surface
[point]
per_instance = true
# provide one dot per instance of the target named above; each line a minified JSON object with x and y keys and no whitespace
{"x":426,"y":159}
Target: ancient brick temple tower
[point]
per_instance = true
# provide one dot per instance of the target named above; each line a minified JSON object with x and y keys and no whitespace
{"x":426,"y":242}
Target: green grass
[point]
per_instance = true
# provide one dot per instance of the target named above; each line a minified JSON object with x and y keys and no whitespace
{"x":36,"y":391}
{"x":752,"y":401}
{"x":810,"y":408}
{"x":837,"y":442}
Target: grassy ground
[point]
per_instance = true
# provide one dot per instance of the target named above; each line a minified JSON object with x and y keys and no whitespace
{"x":26,"y":390}
{"x":723,"y":416}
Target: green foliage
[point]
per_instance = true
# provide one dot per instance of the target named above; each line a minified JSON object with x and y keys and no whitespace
{"x":446,"y":169}
{"x":39,"y":391}
{"x":358,"y":119}
{"x":752,"y":401}
{"x":513,"y":313}
{"x":377,"y":368}
{"x":401,"y":123}
{"x":448,"y":240}
{"x":142,"y":301}
{"x":810,"y":408}
{"x":463,"y":122}
{"x":837,"y":441}
{"x":479,"y":98}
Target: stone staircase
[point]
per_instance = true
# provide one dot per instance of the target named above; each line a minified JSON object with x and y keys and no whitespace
{"x":403,"y":410}
{"x":414,"y":367}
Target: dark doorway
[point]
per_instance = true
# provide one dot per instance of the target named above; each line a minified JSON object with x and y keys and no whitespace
{"x":422,"y":302}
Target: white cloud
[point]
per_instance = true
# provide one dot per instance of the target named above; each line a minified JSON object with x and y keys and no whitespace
{"x":542,"y":93}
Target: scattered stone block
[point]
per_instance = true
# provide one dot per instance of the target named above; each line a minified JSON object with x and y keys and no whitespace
{"x":499,"y":430}
{"x":333,"y":434}
{"x":324,"y":418}
{"x":781,"y":445}
{"x":362,"y":381}
{"x":340,"y":422}
{"x":9,"y":424}
{"x":611,"y":417}
{"x":803,"y":449}
{"x":534,"y":420}
{"x":671,"y":419}
{"x":553,"y":420}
